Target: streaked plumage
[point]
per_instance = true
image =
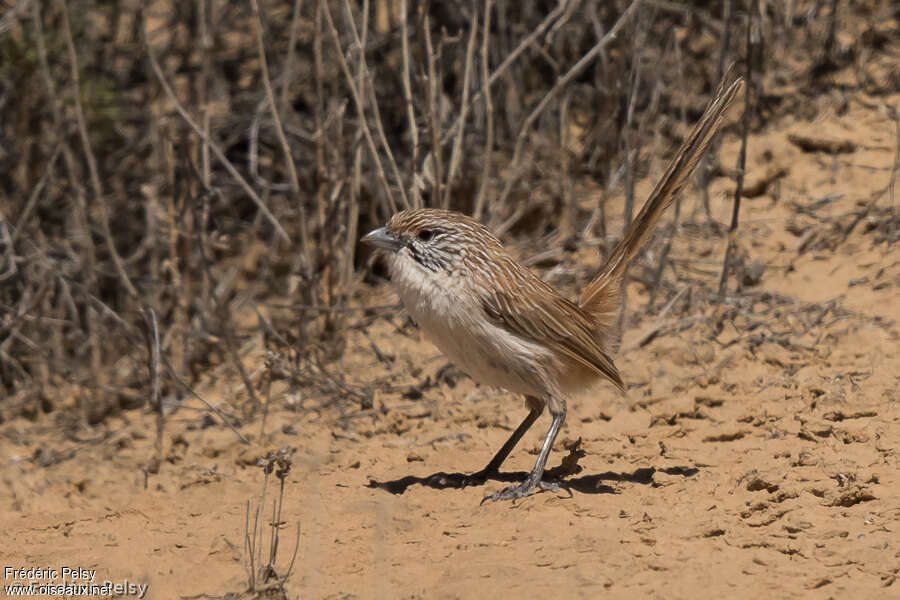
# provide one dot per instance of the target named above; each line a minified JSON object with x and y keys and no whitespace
{"x":483,"y":306}
{"x":502,"y":324}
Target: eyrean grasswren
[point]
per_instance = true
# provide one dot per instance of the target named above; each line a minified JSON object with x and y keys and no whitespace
{"x":504,"y":326}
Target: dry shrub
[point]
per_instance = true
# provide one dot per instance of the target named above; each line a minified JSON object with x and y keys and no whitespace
{"x":252,"y":191}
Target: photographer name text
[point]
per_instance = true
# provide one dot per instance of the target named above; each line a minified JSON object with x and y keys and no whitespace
{"x":75,"y":581}
{"x":49,"y":574}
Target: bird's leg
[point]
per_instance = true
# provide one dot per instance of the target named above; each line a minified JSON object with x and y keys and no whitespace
{"x":493,"y":467}
{"x":558,"y":411}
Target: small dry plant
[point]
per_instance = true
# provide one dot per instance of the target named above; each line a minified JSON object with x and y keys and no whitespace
{"x":263,"y":578}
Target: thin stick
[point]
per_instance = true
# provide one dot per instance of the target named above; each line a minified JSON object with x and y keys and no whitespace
{"x":251,"y":575}
{"x":282,"y":139}
{"x":566,"y":227}
{"x":456,"y":154}
{"x":356,"y":181}
{"x":488,"y":113}
{"x":273,"y":536}
{"x":320,"y":118}
{"x":214,"y":409}
{"x":830,"y":41}
{"x":570,"y":75}
{"x":259,"y":508}
{"x":206,"y":68}
{"x":288,"y":74}
{"x":367,"y":85}
{"x":664,"y":253}
{"x":293,"y":556}
{"x":742,"y":156}
{"x":525,"y":43}
{"x":360,"y":109}
{"x":153,"y":356}
{"x":407,"y":97}
{"x":32,"y":200}
{"x":433,"y":116}
{"x":710,"y":157}
{"x":89,"y":156}
{"x":157,"y":70}
{"x":895,"y":117}
{"x":632,"y":139}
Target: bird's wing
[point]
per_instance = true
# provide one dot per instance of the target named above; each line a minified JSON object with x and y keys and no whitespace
{"x":539,"y":314}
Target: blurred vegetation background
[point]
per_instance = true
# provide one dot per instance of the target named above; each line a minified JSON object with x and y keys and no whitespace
{"x":178,"y":175}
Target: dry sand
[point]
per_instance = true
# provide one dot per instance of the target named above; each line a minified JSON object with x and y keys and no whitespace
{"x":759,"y":460}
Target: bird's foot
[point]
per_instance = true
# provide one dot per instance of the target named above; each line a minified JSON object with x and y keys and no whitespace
{"x":522,"y":490}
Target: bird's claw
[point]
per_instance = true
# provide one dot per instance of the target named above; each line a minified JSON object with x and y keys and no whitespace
{"x":514,"y":492}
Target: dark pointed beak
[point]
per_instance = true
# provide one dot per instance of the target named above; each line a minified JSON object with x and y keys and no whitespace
{"x":381,"y":238}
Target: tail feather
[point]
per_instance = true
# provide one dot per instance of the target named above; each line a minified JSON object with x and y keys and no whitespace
{"x":600,"y":298}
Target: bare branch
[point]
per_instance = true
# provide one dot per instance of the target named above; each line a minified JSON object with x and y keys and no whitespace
{"x":570,"y":75}
{"x":481,"y":200}
{"x":89,"y":156}
{"x":464,"y":110}
{"x":360,"y":109}
{"x":434,"y":119}
{"x":206,"y":139}
{"x":742,"y":156}
{"x":279,"y":132}
{"x":407,"y":97}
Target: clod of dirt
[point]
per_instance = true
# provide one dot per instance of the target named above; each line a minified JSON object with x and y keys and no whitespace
{"x":757,"y":182}
{"x":673,"y":419}
{"x":708,"y":401}
{"x":755,"y":508}
{"x":837,"y":415}
{"x":785,"y":495}
{"x":757,"y":484}
{"x":852,"y":437}
{"x":809,"y":143}
{"x":820,"y":583}
{"x":805,"y":459}
{"x":569,"y":464}
{"x":795,"y":526}
{"x":852,"y":497}
{"x":725,"y":437}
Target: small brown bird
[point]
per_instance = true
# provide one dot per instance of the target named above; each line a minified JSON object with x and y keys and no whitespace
{"x":503,"y":325}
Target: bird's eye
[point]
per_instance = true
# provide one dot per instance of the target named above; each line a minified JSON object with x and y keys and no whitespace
{"x":425,"y":235}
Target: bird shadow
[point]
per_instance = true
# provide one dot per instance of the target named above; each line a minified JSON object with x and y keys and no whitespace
{"x":585,"y":484}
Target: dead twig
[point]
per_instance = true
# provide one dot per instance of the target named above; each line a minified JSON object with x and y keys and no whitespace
{"x":282,"y":139}
{"x":209,"y":406}
{"x":456,"y":154}
{"x":89,"y":156}
{"x":434,"y":162}
{"x":563,"y":81}
{"x":160,"y":76}
{"x":153,"y":360}
{"x":373,"y":101}
{"x":482,"y":199}
{"x":407,"y":98}
{"x":742,"y":156}
{"x":501,"y":69}
{"x":360,"y":109}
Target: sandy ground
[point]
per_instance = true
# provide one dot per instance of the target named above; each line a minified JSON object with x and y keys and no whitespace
{"x":755,"y":454}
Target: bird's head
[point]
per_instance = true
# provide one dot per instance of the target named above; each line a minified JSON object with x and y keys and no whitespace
{"x":433,"y":240}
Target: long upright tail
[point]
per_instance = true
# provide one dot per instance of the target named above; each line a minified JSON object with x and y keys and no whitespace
{"x":600,"y":298}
